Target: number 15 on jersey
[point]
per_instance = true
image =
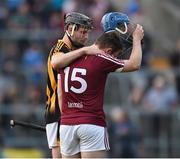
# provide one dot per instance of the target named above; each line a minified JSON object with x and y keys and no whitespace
{"x":74,"y":77}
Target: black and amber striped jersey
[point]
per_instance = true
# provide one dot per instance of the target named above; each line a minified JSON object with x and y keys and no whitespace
{"x":52,"y":111}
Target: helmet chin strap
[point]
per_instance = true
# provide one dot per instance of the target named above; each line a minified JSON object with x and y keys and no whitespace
{"x":73,"y":41}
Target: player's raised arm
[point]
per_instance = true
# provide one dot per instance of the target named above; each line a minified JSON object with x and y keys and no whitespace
{"x":117,"y":21}
{"x":134,"y":62}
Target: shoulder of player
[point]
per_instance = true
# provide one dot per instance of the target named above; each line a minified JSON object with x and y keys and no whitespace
{"x":60,"y":46}
{"x":110,"y":58}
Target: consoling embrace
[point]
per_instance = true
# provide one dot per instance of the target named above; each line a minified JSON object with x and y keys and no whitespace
{"x":82,"y":75}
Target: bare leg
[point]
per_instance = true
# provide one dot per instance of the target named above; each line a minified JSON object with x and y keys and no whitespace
{"x":56,"y":152}
{"x":94,"y":154}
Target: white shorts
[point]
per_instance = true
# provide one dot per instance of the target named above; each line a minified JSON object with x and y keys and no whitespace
{"x":52,"y":133}
{"x":83,"y":138}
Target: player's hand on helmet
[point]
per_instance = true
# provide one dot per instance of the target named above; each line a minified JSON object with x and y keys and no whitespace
{"x":93,"y":50}
{"x":138,"y":34}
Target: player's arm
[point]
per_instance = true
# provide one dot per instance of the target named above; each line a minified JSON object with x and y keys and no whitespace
{"x":134,"y":62}
{"x":61,"y":60}
{"x":59,"y":91}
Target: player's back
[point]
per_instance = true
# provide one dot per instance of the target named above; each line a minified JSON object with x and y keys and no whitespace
{"x":83,"y":84}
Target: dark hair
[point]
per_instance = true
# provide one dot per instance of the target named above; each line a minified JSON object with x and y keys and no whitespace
{"x":111,"y":40}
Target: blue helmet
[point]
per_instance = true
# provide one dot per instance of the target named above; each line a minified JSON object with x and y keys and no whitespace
{"x":117,"y":21}
{"x":111,"y":21}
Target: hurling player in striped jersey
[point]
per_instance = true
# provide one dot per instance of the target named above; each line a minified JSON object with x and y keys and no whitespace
{"x":77,"y":27}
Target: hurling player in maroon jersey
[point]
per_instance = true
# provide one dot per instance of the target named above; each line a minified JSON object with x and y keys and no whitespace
{"x":83,"y":127}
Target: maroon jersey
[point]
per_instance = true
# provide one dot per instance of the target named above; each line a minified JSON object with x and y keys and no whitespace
{"x":83,"y":84}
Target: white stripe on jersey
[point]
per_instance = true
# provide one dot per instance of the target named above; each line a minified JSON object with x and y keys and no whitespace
{"x":111,"y":58}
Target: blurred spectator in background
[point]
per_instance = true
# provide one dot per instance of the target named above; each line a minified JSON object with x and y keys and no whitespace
{"x":161,"y":96}
{"x":13,"y":5}
{"x":33,"y":64}
{"x":175,"y":63}
{"x":136,"y":96}
{"x":123,"y":135}
{"x":3,"y":15}
{"x":97,"y":10}
{"x":8,"y":98}
{"x":138,"y":86}
{"x":54,"y":21}
{"x":20,"y":19}
{"x":10,"y":59}
{"x":57,"y":5}
{"x":158,"y":103}
{"x":133,"y":7}
{"x":34,"y":95}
